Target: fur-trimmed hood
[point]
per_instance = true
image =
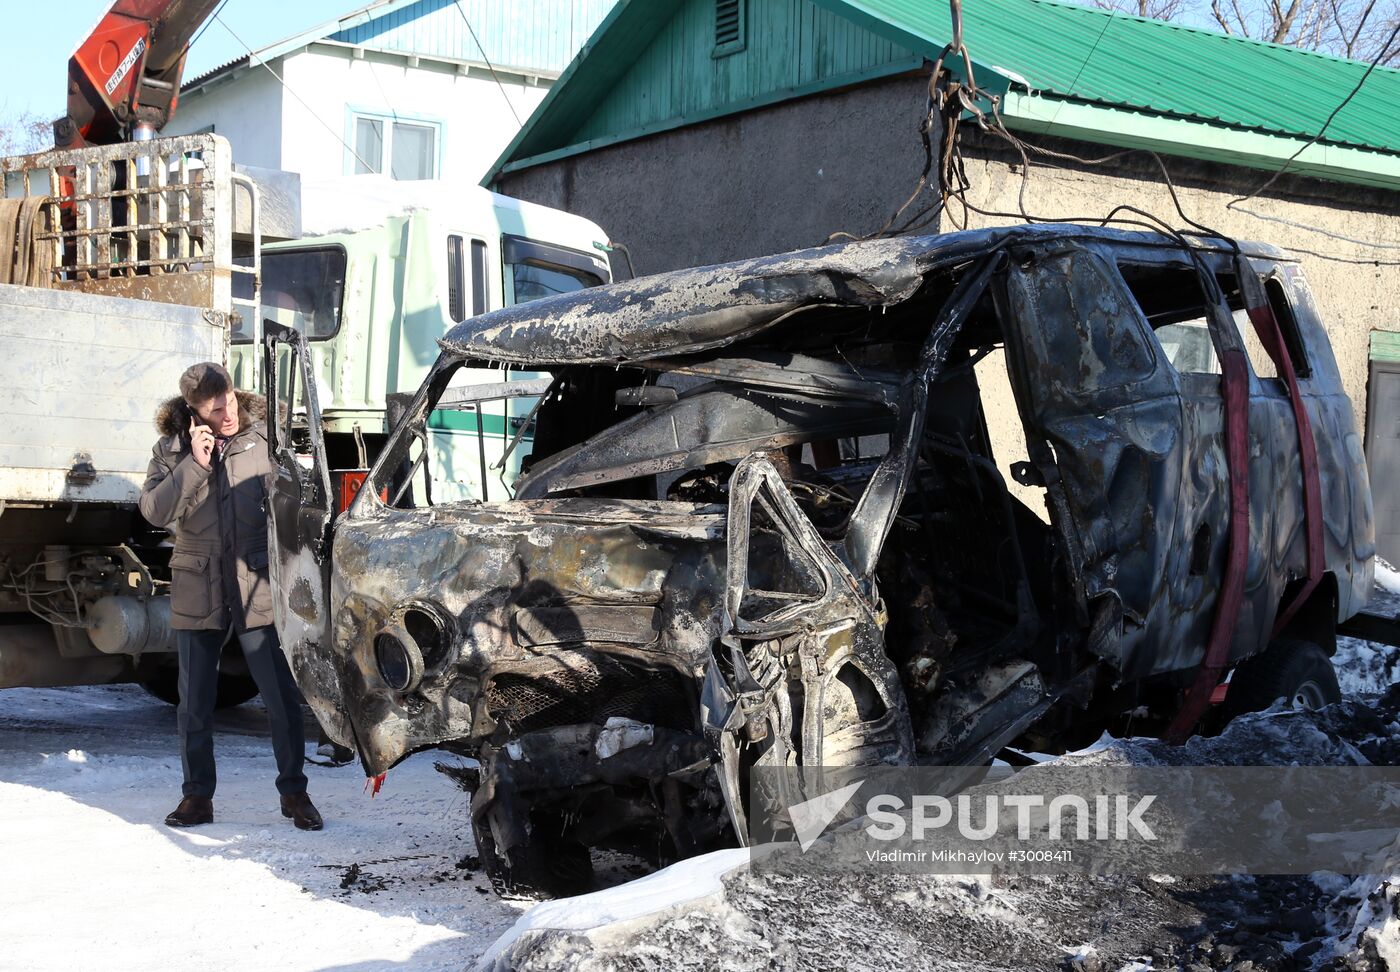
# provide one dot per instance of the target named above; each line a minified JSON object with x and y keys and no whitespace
{"x":172,"y":418}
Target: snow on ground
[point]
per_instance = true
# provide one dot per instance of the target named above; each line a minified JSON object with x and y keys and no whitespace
{"x":95,"y":880}
{"x":1363,"y":667}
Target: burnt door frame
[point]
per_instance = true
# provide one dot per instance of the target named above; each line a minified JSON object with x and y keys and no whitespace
{"x":300,"y":511}
{"x":1102,"y":410}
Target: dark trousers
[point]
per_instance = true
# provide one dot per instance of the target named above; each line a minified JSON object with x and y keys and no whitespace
{"x":199,"y":683}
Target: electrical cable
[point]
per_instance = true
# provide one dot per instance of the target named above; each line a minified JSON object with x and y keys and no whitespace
{"x":215,"y":16}
{"x":286,"y":87}
{"x":1171,"y":188}
{"x":393,"y":174}
{"x":1340,"y":237}
{"x":487,"y":59}
{"x":1381,"y":55}
{"x":950,"y":98}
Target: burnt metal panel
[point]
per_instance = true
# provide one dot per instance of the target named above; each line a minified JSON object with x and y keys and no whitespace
{"x":686,"y":311}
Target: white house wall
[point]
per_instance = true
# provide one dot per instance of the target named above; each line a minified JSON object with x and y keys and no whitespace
{"x":476,"y":123}
{"x":246,"y":109}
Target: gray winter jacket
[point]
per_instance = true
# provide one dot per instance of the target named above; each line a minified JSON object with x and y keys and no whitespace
{"x":219,"y":517}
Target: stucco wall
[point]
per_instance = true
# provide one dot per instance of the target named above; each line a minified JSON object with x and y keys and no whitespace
{"x":247,"y":111}
{"x":301,"y":128}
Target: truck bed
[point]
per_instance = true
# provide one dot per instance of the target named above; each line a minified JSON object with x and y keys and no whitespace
{"x":81,"y":376}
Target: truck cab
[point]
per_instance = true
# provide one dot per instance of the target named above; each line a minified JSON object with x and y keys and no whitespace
{"x":373,"y":301}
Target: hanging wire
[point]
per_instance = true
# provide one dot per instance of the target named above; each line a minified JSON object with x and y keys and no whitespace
{"x":484,"y":57}
{"x":1339,"y":237}
{"x":949,"y":99}
{"x":1380,"y":56}
{"x":1025,"y":148}
{"x":393,"y":113}
{"x":286,"y":87}
{"x":208,"y":23}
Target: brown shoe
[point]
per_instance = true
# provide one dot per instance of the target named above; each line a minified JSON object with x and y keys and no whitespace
{"x":192,"y":811}
{"x":303,"y":812}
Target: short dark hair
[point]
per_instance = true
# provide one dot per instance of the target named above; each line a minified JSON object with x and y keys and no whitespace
{"x":203,"y":381}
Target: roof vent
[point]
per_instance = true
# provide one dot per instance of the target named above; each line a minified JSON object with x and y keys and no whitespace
{"x":729,"y":27}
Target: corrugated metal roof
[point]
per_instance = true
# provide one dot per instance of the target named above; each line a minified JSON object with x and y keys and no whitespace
{"x":1058,"y":51}
{"x":1110,"y":58}
{"x":531,"y":35}
{"x":534,"y":34}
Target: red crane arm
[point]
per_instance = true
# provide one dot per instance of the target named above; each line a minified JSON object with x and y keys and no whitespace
{"x":124,"y":78}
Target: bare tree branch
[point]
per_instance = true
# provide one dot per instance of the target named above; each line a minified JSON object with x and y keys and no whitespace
{"x":24,"y":132}
{"x":1347,"y":28}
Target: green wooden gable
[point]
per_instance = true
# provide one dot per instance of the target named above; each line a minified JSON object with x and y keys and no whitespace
{"x":784,"y":47}
{"x":659,"y":64}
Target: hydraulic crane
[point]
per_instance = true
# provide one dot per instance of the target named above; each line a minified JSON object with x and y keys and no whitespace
{"x":124,"y":77}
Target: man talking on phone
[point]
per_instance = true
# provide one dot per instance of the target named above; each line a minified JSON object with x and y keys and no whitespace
{"x":208,"y":482}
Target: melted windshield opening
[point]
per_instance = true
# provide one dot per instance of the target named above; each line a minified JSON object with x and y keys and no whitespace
{"x":302,"y":289}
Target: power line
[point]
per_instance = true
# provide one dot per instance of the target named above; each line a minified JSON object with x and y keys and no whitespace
{"x":338,"y":137}
{"x":208,"y":22}
{"x":484,"y":57}
{"x":1380,"y":56}
{"x":392,"y":112}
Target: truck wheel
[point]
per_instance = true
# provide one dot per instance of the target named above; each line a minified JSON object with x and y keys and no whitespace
{"x":163,"y":682}
{"x":1291,"y":669}
{"x":549,"y":865}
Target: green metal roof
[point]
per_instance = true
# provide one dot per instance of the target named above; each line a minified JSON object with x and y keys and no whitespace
{"x":1212,"y":96}
{"x":1114,"y":59}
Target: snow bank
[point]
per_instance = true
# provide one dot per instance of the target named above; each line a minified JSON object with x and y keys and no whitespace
{"x":1387,"y":577}
{"x":1366,"y":918}
{"x":684,"y":884}
{"x":1363,"y":667}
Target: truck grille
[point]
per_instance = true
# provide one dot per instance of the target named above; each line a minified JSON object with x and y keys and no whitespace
{"x":575,"y":688}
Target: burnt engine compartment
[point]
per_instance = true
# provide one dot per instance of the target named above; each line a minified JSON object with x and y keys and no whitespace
{"x":967,"y":579}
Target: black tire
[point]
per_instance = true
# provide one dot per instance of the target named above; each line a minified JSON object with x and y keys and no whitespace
{"x":548,"y":865}
{"x":1290,"y":668}
{"x":163,"y":682}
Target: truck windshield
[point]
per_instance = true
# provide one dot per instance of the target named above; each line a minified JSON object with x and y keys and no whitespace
{"x":301,"y":288}
{"x":535,"y":269}
{"x":533,"y":281}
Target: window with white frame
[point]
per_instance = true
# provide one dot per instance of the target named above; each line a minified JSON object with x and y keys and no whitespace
{"x":398,"y":147}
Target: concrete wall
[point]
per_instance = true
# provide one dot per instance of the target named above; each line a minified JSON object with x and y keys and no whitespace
{"x":762,"y":182}
{"x":303,"y":128}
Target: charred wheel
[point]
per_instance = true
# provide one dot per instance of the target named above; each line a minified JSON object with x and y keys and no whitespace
{"x":1290,"y":668}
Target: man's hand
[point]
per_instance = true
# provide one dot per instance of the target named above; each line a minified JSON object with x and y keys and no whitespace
{"x":201,"y":443}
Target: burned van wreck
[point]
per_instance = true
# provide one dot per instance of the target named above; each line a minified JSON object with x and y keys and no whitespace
{"x":758,"y":519}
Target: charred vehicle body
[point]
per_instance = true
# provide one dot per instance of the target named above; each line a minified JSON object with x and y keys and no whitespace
{"x":761,"y":523}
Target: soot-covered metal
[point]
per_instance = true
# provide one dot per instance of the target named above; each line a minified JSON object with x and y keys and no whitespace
{"x":759,"y":521}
